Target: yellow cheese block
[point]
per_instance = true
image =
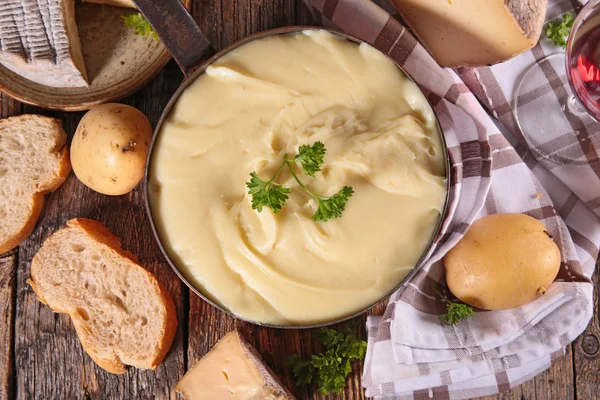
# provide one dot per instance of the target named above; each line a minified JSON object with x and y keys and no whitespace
{"x":117,"y":3}
{"x":233,"y":370}
{"x":469,"y":33}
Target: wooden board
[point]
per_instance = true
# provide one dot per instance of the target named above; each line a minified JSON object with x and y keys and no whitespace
{"x":40,"y":357}
{"x":586,"y":353}
{"x":8,"y":263}
{"x":118,"y":62}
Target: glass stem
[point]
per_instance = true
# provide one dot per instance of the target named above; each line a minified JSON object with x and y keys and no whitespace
{"x":575,"y":106}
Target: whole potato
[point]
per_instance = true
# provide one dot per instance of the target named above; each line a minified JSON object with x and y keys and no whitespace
{"x":109,"y":149}
{"x":503,"y":261}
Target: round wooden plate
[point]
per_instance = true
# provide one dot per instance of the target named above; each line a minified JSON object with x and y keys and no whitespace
{"x":118,"y":62}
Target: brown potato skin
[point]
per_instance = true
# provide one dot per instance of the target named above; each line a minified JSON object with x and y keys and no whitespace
{"x":109,"y":149}
{"x":502,"y":262}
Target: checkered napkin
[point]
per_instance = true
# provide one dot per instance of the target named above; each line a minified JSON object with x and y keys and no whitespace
{"x":411,"y":355}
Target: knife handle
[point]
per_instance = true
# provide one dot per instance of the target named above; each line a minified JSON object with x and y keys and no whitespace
{"x":178,"y":31}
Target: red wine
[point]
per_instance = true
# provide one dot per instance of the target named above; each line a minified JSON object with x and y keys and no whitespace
{"x":584,"y":64}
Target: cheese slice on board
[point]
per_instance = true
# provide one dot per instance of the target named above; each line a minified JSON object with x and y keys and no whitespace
{"x":233,"y":370}
{"x":39,"y":41}
{"x":469,"y":33}
{"x":116,"y":3}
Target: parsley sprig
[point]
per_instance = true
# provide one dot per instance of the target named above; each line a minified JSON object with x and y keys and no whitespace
{"x":267,"y":194}
{"x":558,"y":31}
{"x":272,"y":195}
{"x":140,"y":24}
{"x":330,"y":368}
{"x":311,"y":158}
{"x":454,"y":311}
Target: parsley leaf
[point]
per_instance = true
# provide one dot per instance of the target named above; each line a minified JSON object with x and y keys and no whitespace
{"x":454,"y":311}
{"x":140,"y":24}
{"x":266,"y":194}
{"x":334,"y":206}
{"x":558,"y":32}
{"x":311,"y":158}
{"x":271,"y":195}
{"x":330,"y":368}
{"x":303,"y":370}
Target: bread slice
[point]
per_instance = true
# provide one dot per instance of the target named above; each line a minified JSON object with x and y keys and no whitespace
{"x":34,"y":160}
{"x":121,"y":313}
{"x":232,"y":370}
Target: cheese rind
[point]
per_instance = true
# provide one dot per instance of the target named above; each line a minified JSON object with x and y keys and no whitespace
{"x":40,"y":41}
{"x":232,"y":370}
{"x":462,"y":33}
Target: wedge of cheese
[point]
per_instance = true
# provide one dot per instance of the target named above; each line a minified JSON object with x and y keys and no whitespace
{"x":461,"y":33}
{"x":116,"y":3}
{"x":39,"y":41}
{"x":233,"y":370}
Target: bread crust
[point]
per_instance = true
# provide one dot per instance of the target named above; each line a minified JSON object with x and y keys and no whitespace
{"x":38,"y":197}
{"x":99,"y":233}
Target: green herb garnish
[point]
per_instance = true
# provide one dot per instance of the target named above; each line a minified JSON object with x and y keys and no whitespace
{"x":454,"y":311}
{"x":311,"y":158}
{"x":330,"y":368}
{"x":332,"y":207}
{"x":558,"y":31}
{"x":272,"y":195}
{"x":266,"y":194}
{"x":140,"y":24}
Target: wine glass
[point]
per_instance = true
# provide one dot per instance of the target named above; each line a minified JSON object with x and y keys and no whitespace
{"x":563,"y":128}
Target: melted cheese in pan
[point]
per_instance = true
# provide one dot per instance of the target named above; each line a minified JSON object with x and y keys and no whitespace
{"x":254,"y":105}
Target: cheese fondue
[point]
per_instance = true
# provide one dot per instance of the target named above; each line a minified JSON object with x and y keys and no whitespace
{"x":244,"y":113}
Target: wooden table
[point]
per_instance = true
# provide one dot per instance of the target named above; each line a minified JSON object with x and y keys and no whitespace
{"x":40,"y":356}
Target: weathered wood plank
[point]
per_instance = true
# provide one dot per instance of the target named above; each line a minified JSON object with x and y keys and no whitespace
{"x":206,"y":326}
{"x":49,"y":358}
{"x":558,"y":381}
{"x":225,"y":22}
{"x":9,"y":107}
{"x":49,"y":362}
{"x":586,"y":352}
{"x":8,"y":269}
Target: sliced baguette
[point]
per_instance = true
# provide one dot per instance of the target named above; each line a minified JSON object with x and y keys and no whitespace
{"x":122,"y":314}
{"x":34,"y":160}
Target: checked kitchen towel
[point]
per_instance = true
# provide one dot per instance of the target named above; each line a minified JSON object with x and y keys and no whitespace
{"x":411,"y":355}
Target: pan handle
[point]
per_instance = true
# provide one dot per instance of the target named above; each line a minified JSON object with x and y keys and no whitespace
{"x":178,"y":31}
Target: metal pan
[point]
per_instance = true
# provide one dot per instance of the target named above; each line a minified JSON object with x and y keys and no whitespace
{"x":190,"y":49}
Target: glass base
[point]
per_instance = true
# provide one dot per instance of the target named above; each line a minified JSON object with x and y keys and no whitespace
{"x":553,"y":122}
